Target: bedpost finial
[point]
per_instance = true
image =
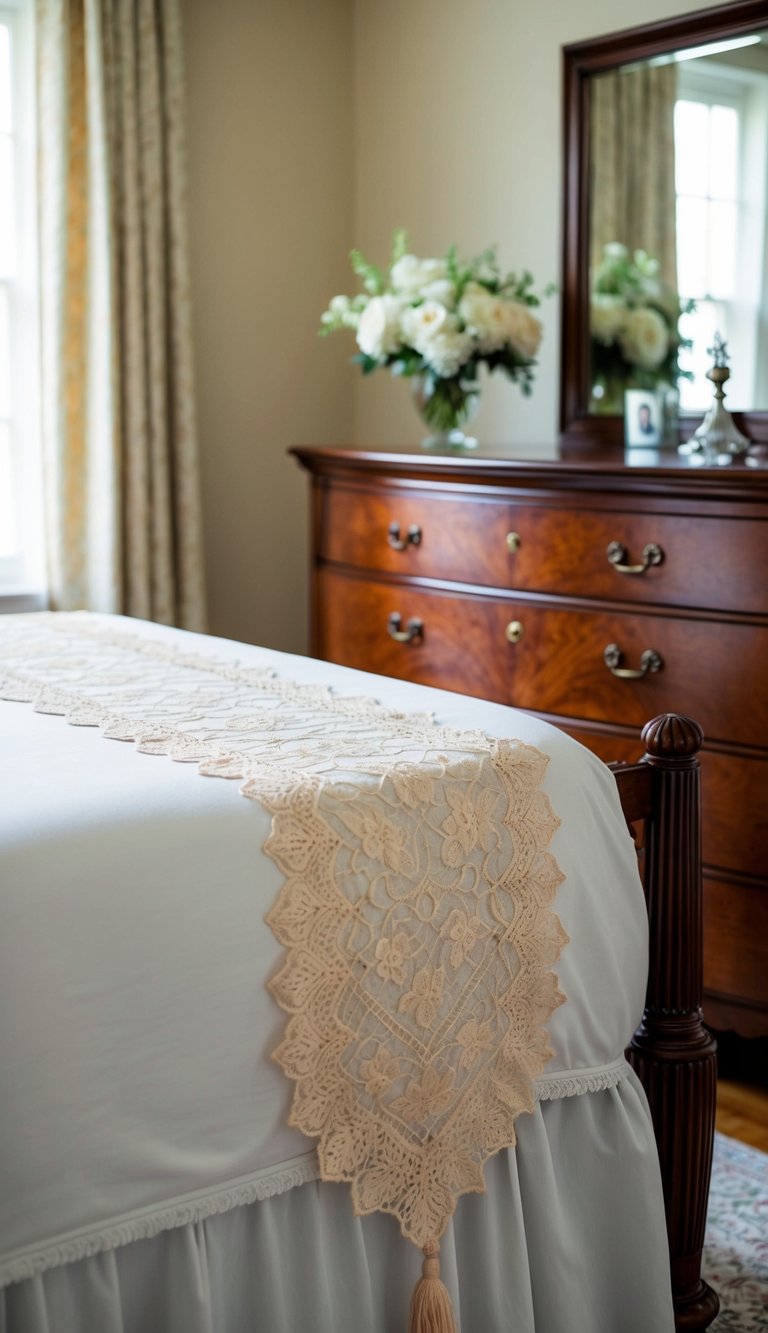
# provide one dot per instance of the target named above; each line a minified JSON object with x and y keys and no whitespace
{"x":672,"y":736}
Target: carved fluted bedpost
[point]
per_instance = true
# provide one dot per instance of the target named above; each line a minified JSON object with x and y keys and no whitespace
{"x":672,"y":1052}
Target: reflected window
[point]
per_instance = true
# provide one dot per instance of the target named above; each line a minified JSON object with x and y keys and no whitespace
{"x":20,"y":491}
{"x":721,"y":132}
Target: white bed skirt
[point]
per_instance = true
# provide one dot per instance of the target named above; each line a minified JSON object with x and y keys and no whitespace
{"x":142,"y":1111}
{"x":541,"y":1252}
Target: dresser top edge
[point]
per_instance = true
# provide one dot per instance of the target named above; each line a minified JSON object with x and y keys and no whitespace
{"x":598,"y":472}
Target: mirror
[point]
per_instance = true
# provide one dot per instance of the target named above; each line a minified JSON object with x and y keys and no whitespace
{"x":666,"y":218}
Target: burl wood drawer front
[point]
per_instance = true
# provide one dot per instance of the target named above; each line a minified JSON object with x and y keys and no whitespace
{"x":551,"y":661}
{"x":705,"y":669}
{"x":455,"y":651}
{"x":733,"y":794}
{"x":706,"y":562}
{"x":735,"y":931}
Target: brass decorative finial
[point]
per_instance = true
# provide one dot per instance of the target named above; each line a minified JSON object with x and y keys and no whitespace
{"x":717,"y":439}
{"x":718,"y":351}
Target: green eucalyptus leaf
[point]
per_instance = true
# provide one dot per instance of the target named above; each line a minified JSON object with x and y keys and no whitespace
{"x":372,"y":277}
{"x":399,"y":245}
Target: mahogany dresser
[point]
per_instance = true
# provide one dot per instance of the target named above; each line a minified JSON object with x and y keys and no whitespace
{"x":592,"y":592}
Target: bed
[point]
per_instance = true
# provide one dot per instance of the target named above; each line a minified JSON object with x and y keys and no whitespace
{"x":149,"y":1176}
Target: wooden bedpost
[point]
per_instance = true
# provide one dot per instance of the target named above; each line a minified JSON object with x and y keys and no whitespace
{"x":672,"y":1053}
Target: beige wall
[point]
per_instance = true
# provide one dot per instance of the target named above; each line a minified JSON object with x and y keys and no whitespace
{"x":315,"y":125}
{"x":269,"y":92}
{"x":458,"y":134}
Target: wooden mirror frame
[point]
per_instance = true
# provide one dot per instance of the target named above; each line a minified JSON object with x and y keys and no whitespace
{"x":581,"y":60}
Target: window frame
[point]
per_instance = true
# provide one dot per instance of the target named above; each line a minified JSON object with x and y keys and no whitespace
{"x":745,"y":90}
{"x":22,"y":574}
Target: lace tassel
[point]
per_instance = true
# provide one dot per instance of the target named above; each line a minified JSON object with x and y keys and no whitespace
{"x":431,"y":1306}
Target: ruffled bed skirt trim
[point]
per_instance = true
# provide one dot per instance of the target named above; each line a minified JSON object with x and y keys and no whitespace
{"x":575,"y":1082}
{"x":264,"y":1184}
{"x":149,"y":1222}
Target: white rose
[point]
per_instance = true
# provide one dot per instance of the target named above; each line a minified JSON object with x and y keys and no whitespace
{"x":409,"y":276}
{"x":435,"y":334}
{"x":442,"y":290}
{"x":472,"y":303}
{"x":485,"y":317}
{"x":496,"y":321}
{"x":448,"y":351}
{"x":644,"y":338}
{"x":421,"y":323}
{"x":523,"y":328}
{"x":378,"y":328}
{"x":607,"y":317}
{"x":615,"y":250}
{"x":405,"y":274}
{"x":433,"y":270}
{"x":339,"y":305}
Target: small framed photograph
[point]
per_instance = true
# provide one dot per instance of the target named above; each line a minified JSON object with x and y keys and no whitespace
{"x":643,"y":419}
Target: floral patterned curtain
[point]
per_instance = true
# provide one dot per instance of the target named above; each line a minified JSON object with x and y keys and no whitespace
{"x":632,"y":187}
{"x":120,"y":452}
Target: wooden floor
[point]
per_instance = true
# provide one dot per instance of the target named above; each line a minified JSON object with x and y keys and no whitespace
{"x":742,"y":1112}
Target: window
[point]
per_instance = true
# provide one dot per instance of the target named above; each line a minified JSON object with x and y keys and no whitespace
{"x":21,"y":550}
{"x":721,"y":131}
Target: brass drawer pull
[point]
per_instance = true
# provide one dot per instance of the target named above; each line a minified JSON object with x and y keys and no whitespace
{"x":649,"y":662}
{"x":414,"y":628}
{"x":617,"y":556}
{"x":411,"y":538}
{"x":513,"y":542}
{"x":514,"y":631}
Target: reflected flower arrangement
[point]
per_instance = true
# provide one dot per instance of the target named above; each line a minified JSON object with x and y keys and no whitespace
{"x":634,"y":319}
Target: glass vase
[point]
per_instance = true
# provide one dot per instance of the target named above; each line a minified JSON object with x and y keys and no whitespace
{"x":607,"y":396}
{"x":446,"y":406}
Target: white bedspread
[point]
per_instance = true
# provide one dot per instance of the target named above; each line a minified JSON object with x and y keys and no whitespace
{"x":138,"y":1092}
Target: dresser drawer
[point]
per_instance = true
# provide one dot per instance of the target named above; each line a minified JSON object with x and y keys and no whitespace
{"x":705,"y":562}
{"x":707,"y":669}
{"x":438,"y":536}
{"x":735,"y":830}
{"x":711,"y":563}
{"x":735,"y":930}
{"x":458,"y":649}
{"x":733,"y":794}
{"x":557,"y":665}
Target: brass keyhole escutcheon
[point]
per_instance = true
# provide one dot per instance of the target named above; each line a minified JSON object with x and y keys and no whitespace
{"x":411,"y":538}
{"x":513,"y":542}
{"x":514,"y":631}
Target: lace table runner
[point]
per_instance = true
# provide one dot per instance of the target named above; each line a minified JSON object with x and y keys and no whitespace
{"x":415,"y":910}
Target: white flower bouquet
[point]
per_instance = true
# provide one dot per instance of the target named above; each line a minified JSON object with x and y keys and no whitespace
{"x":435,"y":321}
{"x":634,"y":327}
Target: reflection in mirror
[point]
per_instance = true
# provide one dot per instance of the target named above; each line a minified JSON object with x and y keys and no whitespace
{"x":678,"y":238}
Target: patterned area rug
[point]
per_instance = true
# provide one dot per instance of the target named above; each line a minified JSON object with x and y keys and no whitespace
{"x":736,"y":1245}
